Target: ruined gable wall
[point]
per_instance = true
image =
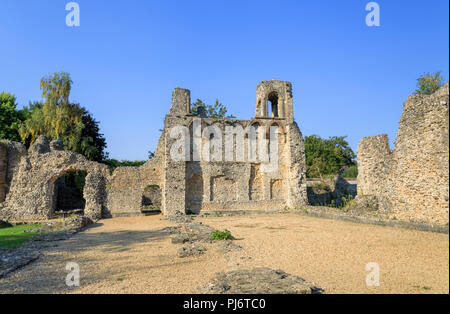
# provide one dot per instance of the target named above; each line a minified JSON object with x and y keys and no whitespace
{"x":412,"y":181}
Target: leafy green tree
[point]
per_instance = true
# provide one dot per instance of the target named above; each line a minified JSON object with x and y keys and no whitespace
{"x":10,"y":117}
{"x":216,"y":111}
{"x":57,"y":118}
{"x":428,"y":83}
{"x":93,"y":143}
{"x":327,"y":156}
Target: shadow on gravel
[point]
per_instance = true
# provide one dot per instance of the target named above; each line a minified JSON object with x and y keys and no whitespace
{"x":119,"y":241}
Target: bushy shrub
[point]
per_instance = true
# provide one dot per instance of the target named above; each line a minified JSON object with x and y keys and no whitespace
{"x":351,"y":172}
{"x":221,"y":235}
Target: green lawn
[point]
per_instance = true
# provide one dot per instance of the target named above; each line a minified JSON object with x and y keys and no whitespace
{"x":12,"y":237}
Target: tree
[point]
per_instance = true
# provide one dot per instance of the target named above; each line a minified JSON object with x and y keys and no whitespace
{"x":57,"y":118}
{"x":56,"y":90}
{"x":93,"y":143}
{"x":217,"y":111}
{"x":10,"y":118}
{"x":327,"y":156}
{"x":428,"y":83}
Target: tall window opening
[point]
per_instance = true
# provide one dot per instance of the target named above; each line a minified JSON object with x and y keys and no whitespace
{"x":273,"y":104}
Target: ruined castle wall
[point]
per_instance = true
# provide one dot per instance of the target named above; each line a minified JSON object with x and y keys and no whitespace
{"x":183,"y":184}
{"x":31,"y":193}
{"x":10,"y":155}
{"x":229,"y":185}
{"x":233,"y":183}
{"x":126,"y":188}
{"x":411,"y":182}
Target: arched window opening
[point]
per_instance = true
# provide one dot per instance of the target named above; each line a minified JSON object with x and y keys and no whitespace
{"x":273,"y":104}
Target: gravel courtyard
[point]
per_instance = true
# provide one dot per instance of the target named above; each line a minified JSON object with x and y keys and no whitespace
{"x":135,"y":255}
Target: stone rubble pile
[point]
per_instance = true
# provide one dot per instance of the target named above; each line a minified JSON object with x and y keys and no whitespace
{"x":259,"y":281}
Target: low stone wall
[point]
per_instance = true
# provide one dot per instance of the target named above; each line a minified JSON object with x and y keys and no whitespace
{"x":127,"y":188}
{"x":411,"y":182}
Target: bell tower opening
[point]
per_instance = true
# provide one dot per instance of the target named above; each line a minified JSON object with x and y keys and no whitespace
{"x":273,"y":104}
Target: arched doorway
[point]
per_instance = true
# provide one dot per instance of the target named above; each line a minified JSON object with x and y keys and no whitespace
{"x":68,"y":193}
{"x":194,"y":193}
{"x":151,"y":199}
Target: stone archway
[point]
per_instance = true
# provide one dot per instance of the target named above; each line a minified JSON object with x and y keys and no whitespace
{"x":93,"y":194}
{"x":32,"y":187}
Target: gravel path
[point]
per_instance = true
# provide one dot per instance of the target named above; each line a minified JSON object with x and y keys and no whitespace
{"x":135,"y":255}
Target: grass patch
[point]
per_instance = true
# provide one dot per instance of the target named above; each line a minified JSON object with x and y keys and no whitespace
{"x":12,"y":237}
{"x":221,"y":235}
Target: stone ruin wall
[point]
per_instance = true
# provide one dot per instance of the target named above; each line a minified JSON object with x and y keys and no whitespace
{"x":237,"y":185}
{"x":33,"y":176}
{"x":185,"y":186}
{"x":10,"y":155}
{"x":411,"y":182}
{"x":194,"y":186}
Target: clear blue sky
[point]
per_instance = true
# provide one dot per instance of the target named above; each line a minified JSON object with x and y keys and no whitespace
{"x":127,"y":56}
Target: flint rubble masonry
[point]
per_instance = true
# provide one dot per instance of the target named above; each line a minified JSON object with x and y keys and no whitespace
{"x":411,"y":182}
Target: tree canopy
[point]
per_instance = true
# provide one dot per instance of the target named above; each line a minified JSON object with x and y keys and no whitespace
{"x":10,"y":117}
{"x":55,"y":117}
{"x":327,"y":156}
{"x":217,"y":111}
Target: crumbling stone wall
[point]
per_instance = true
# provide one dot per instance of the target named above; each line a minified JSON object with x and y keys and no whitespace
{"x":211,"y":185}
{"x":184,"y":185}
{"x":203,"y":185}
{"x":31,"y":193}
{"x":10,"y":155}
{"x":373,"y":157}
{"x":127,"y":187}
{"x":411,"y":182}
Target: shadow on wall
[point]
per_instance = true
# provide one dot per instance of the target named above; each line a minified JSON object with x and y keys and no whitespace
{"x":330,"y":191}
